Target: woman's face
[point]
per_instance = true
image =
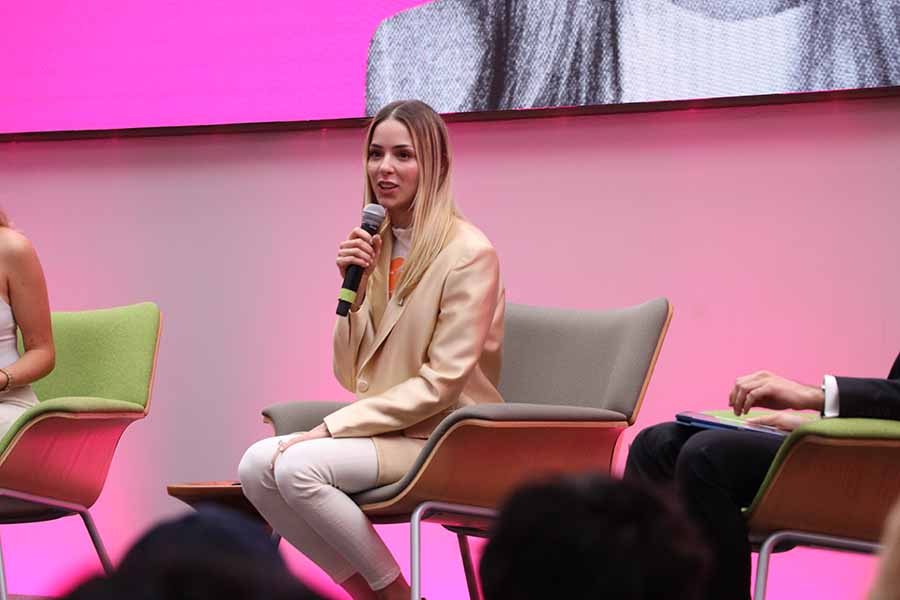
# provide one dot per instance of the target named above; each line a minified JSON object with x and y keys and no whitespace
{"x":393,"y":170}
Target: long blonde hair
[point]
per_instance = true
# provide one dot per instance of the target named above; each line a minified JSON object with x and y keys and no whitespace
{"x":434,"y":211}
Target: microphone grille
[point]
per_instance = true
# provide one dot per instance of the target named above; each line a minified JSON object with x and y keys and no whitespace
{"x":373,"y":214}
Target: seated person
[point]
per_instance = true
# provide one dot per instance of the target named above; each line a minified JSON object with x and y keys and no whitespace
{"x":592,"y":537}
{"x":211,"y":554}
{"x":719,"y":472}
{"x":24,"y":307}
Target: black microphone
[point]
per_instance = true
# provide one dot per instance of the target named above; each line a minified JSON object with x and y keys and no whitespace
{"x":372,"y":218}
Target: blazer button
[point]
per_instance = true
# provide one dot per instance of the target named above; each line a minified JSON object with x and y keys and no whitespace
{"x":362,"y":386}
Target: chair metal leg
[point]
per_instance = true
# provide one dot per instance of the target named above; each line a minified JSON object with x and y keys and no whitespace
{"x":466,"y":553}
{"x":423,"y":512}
{"x":415,"y":549}
{"x":2,"y":575}
{"x":802,"y":539}
{"x":98,"y":543}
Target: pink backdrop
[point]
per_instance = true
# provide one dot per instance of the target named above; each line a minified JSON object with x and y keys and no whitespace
{"x":106,"y":64}
{"x":771,"y":229}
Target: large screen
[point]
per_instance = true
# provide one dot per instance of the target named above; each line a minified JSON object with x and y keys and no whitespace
{"x":109,"y":64}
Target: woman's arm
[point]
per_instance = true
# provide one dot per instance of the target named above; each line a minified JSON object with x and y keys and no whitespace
{"x":364,"y":250}
{"x":30,"y":307}
{"x":468,"y":304}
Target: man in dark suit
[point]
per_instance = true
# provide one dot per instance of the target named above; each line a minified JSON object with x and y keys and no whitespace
{"x":718,"y":472}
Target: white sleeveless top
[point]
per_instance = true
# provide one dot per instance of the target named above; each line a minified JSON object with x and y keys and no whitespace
{"x":9,"y":353}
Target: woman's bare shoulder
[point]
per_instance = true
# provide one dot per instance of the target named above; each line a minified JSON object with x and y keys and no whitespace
{"x":14,"y":246}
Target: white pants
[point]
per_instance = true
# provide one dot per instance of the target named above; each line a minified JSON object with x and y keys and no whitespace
{"x":304,"y":498}
{"x":13,"y":403}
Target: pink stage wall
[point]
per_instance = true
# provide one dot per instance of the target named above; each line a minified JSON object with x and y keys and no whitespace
{"x":771,"y":229}
{"x":107,"y":64}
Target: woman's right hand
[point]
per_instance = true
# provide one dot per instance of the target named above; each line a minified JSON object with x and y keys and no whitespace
{"x":362,"y":249}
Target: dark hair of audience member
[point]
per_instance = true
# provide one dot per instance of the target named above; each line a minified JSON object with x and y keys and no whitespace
{"x":208,"y":555}
{"x":593,"y":537}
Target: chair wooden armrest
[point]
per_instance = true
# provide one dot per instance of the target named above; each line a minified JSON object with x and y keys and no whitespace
{"x":479,"y":462}
{"x":834,"y":477}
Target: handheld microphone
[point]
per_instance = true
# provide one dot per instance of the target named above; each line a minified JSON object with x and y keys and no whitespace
{"x":372,"y":218}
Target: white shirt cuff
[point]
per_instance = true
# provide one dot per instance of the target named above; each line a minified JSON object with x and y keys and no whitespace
{"x":832,"y":397}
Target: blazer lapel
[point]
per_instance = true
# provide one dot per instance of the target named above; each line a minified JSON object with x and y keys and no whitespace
{"x":385,"y":311}
{"x":388,"y":320}
{"x":378,"y":281}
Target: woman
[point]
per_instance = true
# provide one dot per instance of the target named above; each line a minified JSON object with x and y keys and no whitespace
{"x":23,"y":304}
{"x":422,"y":339}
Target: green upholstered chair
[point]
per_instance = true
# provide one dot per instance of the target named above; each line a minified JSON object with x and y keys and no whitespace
{"x":831,"y":485}
{"x":572,"y":382}
{"x":55,"y":457}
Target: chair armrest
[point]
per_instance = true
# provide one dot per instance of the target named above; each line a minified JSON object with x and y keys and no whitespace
{"x":514,"y":411}
{"x":833,"y":477}
{"x":62,"y":448}
{"x":288,"y":417}
{"x":479,"y":453}
{"x":85,"y":407}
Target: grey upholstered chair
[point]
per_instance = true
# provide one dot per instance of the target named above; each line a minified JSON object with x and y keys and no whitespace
{"x":573,"y":381}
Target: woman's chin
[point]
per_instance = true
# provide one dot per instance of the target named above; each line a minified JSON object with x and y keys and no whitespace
{"x":392,"y":204}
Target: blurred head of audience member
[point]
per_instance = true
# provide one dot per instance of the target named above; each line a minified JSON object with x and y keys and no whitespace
{"x":211,"y":554}
{"x":593,"y":537}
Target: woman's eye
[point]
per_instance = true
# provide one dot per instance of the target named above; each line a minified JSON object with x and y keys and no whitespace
{"x":405,"y":155}
{"x":374,"y":154}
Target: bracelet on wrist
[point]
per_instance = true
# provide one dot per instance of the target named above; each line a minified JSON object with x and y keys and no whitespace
{"x":9,"y":380}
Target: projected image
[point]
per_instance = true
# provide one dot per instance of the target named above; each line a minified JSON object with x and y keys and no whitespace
{"x":481,"y":55}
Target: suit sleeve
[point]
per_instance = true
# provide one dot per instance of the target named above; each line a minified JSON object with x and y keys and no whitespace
{"x":869,"y":398}
{"x":468,"y":302}
{"x":348,"y":334}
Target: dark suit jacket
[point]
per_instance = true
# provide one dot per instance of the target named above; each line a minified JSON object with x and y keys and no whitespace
{"x":872,"y":398}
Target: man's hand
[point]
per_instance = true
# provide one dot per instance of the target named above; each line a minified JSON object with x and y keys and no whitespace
{"x":319,"y":431}
{"x":768,"y":390}
{"x":785,"y":421}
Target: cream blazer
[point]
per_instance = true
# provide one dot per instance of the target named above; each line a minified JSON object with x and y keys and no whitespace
{"x":412,"y":362}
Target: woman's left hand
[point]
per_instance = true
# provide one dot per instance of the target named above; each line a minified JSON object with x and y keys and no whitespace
{"x":319,"y":431}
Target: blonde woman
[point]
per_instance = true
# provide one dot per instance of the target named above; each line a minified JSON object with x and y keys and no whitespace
{"x":23,"y":306}
{"x":423,"y":339}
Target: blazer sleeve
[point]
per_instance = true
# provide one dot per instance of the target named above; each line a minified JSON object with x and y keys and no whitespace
{"x":869,"y":398}
{"x":348,"y":335}
{"x":468,"y":302}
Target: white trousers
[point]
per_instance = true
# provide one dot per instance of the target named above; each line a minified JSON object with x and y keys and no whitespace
{"x":13,"y":403}
{"x":305,"y":499}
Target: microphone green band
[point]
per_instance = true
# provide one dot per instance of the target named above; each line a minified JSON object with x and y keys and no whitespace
{"x":347,"y":295}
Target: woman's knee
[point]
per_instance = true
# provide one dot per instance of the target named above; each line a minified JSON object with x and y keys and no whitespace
{"x":297,"y":472}
{"x":256,"y":460}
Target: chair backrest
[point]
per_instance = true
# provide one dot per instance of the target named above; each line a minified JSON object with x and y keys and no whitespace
{"x":105,"y":353}
{"x":599,"y":359}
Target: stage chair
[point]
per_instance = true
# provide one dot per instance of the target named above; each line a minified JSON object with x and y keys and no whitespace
{"x":830,"y":486}
{"x":55,"y":457}
{"x":573,"y":381}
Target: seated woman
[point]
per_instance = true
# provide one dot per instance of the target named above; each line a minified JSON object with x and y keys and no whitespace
{"x":422,"y":339}
{"x":23,"y":304}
